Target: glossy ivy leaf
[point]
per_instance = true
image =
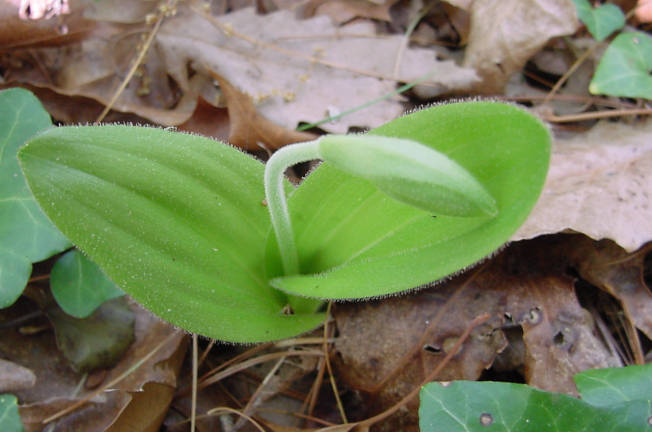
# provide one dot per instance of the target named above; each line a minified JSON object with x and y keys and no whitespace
{"x":26,"y":235}
{"x":354,"y":241}
{"x":497,"y":406}
{"x":177,"y":221}
{"x":625,"y":68}
{"x":9,"y":416}
{"x":601,"y":21}
{"x":79,"y":286}
{"x":605,"y":387}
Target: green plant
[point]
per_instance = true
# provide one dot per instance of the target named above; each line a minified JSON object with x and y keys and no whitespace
{"x":624,"y":69}
{"x":181,"y":224}
{"x":26,"y":234}
{"x":617,"y":399}
{"x":9,"y":416}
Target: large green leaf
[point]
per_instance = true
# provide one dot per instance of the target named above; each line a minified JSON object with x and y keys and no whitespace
{"x":625,"y":67}
{"x":26,"y":235}
{"x":602,"y":20}
{"x":79,"y":286}
{"x":175,"y":220}
{"x":496,"y":406}
{"x":605,"y":387}
{"x":355,"y":241}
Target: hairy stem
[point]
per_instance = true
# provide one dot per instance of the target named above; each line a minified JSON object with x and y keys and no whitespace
{"x":277,"y":203}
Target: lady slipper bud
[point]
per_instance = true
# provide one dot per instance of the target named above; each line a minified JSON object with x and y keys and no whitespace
{"x":409,"y":172}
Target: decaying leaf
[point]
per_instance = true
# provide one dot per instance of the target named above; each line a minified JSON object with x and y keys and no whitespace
{"x":505,"y":34}
{"x":249,"y":129}
{"x":609,"y":267}
{"x":15,"y":377}
{"x":302,"y":70}
{"x":31,"y":33}
{"x":57,"y":382}
{"x":598,"y":184}
{"x":525,"y":289}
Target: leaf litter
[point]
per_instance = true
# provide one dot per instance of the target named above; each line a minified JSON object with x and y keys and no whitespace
{"x":275,"y":71}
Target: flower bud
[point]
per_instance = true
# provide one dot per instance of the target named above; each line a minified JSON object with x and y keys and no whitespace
{"x":410,"y":172}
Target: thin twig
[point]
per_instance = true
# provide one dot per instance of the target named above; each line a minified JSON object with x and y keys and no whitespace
{"x":195,"y":366}
{"x":246,"y":365}
{"x":570,"y":71}
{"x":479,"y":320}
{"x":408,"y":33}
{"x":112,"y":383}
{"x":597,"y":115}
{"x":331,"y":376}
{"x":256,"y":398}
{"x":137,"y":61}
{"x":578,"y":63}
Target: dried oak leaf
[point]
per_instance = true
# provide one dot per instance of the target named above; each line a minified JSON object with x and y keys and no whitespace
{"x":302,"y":70}
{"x":249,"y":129}
{"x":15,"y":377}
{"x":505,"y":34}
{"x":387,"y":347}
{"x":612,"y":269}
{"x":57,"y":382}
{"x":18,"y":33}
{"x":599,"y":184}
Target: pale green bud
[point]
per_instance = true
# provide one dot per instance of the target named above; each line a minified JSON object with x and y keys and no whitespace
{"x":409,"y":172}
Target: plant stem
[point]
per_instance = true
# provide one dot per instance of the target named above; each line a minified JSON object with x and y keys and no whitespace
{"x":277,"y":203}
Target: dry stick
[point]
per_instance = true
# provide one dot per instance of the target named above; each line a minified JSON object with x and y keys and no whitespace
{"x":249,"y":353}
{"x":119,"y":378}
{"x":336,"y":393}
{"x":597,"y":115}
{"x":313,"y":395}
{"x":406,"y":36}
{"x":578,"y":63}
{"x":136,"y":64}
{"x":302,"y":341}
{"x":479,"y":320}
{"x":195,"y":366}
{"x":205,"y":353}
{"x":296,"y":414}
{"x":254,"y":361}
{"x":570,"y":71}
{"x":255,"y":399}
{"x":595,"y":100}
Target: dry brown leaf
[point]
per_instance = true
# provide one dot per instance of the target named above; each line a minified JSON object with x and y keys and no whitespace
{"x":18,"y":33}
{"x":506,"y":33}
{"x":57,"y":382}
{"x":386,"y":348}
{"x":207,"y":120}
{"x":14,"y":377}
{"x":599,"y":184}
{"x":610,"y":268}
{"x":250,"y":130}
{"x":291,"y":87}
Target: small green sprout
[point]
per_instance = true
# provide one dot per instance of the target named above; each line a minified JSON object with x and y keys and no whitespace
{"x":176,"y":220}
{"x":406,"y":170}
